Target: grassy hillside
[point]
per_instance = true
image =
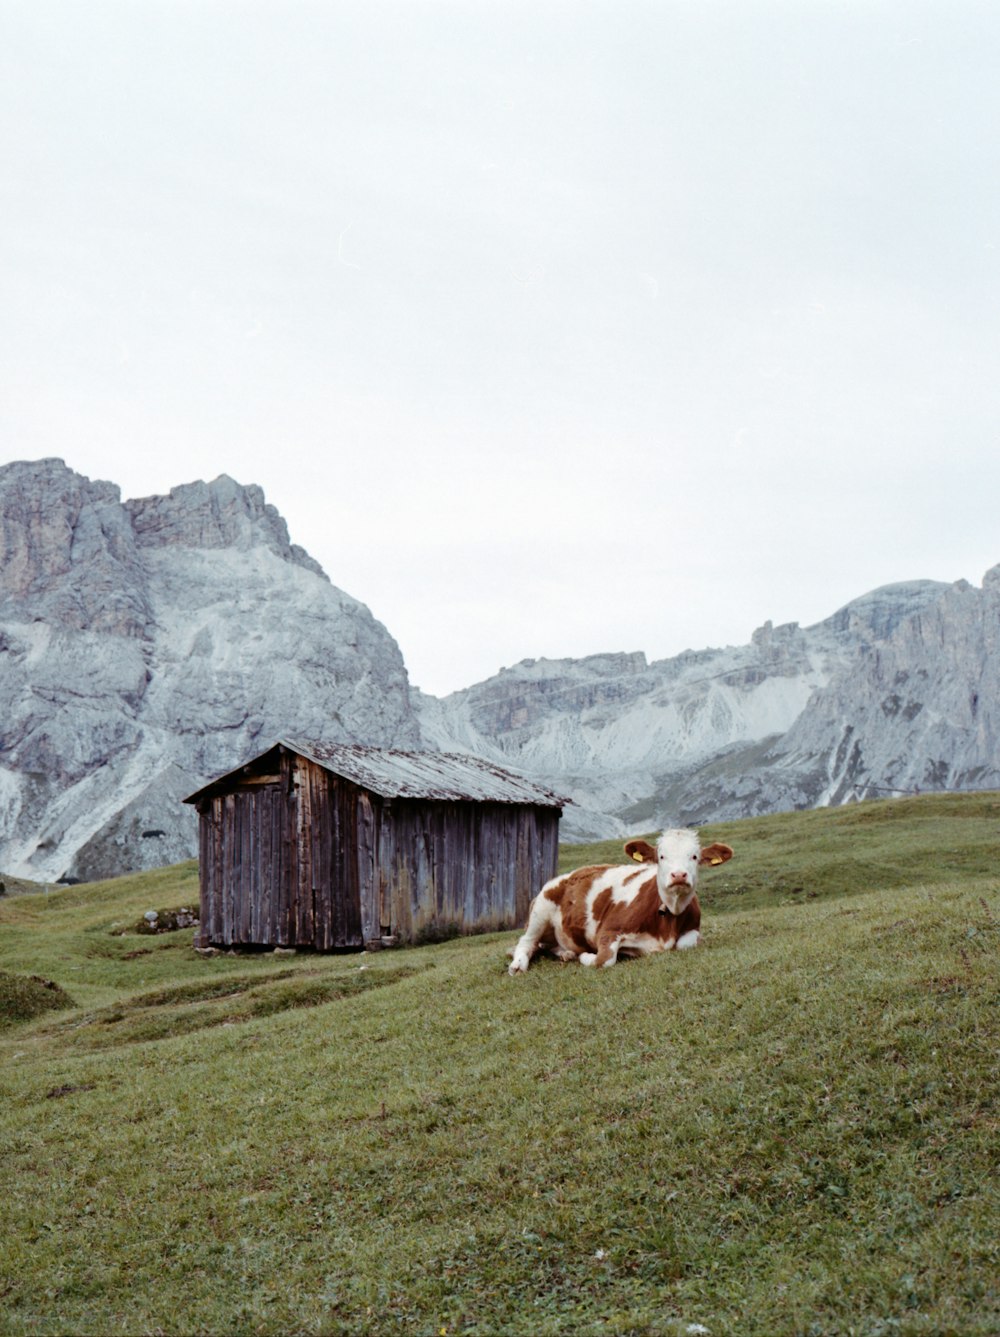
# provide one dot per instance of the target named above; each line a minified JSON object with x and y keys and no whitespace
{"x":793,"y":1130}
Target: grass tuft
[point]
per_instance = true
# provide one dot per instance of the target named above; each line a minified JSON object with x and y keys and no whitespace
{"x":23,"y":997}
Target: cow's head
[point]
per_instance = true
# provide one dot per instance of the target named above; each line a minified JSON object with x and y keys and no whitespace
{"x":678,"y":856}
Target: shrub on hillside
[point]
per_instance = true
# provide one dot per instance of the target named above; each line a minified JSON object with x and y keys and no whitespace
{"x":25,"y":996}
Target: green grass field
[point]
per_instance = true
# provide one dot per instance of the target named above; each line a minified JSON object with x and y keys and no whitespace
{"x":794,"y":1130}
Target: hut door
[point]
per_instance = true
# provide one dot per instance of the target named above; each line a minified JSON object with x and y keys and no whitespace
{"x":368,"y":885}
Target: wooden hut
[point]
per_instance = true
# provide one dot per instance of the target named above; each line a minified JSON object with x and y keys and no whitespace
{"x":309,"y":845}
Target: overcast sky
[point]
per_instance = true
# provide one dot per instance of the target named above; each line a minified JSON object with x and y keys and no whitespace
{"x":550,"y":328}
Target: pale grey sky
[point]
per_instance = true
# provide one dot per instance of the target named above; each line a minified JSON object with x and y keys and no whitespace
{"x":550,"y":328}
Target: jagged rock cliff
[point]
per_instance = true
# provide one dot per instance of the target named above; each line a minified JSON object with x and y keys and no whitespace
{"x":149,"y":645}
{"x":917,"y":709}
{"x":801,"y":716}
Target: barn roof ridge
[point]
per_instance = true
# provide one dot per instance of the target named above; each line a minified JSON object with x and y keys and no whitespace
{"x":397,"y":773}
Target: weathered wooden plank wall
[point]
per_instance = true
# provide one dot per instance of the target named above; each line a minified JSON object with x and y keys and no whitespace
{"x":444,"y":867}
{"x":247,"y":863}
{"x":330,"y":845}
{"x":238,"y":873}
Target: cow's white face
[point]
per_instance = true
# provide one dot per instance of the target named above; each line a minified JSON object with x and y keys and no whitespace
{"x":678,"y":856}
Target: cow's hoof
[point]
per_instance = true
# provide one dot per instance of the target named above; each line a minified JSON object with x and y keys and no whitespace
{"x":518,"y":966}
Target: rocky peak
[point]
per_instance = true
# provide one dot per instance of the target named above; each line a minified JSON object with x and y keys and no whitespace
{"x":612,"y":664}
{"x":881,"y":610}
{"x":220,"y":514}
{"x":775,"y":643}
{"x":67,"y":551}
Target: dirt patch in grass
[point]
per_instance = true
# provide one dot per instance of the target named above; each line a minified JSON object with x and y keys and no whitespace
{"x":69,"y":1089}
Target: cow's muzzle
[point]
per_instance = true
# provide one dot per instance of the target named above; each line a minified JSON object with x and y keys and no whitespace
{"x":676,"y":899}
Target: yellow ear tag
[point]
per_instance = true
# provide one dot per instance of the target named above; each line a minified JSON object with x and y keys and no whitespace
{"x":637,"y":857}
{"x":715,"y":861}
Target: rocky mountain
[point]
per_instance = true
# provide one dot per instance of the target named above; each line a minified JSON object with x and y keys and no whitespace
{"x":149,"y":645}
{"x":918,"y":708}
{"x":146,"y":646}
{"x":895,"y":692}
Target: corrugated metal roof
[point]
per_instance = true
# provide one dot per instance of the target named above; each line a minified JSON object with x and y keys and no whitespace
{"x":446,"y":776}
{"x":432,"y":775}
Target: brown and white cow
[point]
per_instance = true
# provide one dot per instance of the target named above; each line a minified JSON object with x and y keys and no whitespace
{"x":594,"y":914}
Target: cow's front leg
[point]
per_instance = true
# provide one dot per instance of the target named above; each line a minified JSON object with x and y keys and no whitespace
{"x":606,"y":954}
{"x":541,"y":919}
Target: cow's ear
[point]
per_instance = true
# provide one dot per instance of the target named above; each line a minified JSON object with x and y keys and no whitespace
{"x":641,"y":851}
{"x":716,"y":854}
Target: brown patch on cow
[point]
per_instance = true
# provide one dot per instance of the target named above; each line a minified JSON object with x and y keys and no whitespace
{"x":637,"y":872}
{"x":645,"y":901}
{"x":570,"y":894}
{"x":648,"y":915}
{"x":644,"y":914}
{"x":601,"y":902}
{"x":569,"y":883}
{"x":574,"y":907}
{"x":640,"y":915}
